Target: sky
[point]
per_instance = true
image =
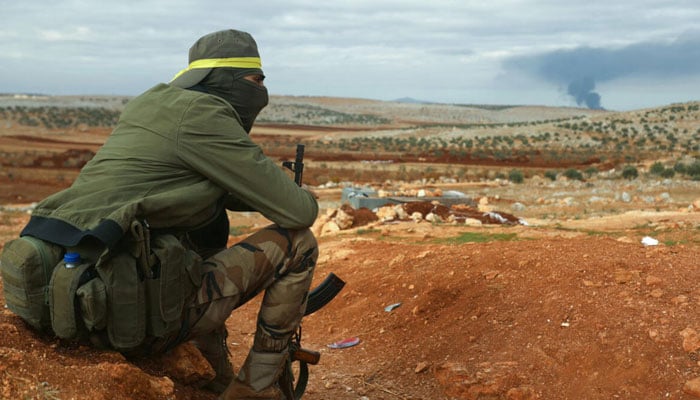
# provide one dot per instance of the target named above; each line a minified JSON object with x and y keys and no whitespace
{"x":618,"y":55}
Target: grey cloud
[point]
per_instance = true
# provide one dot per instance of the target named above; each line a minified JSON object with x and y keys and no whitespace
{"x":380,"y":48}
{"x":581,"y":68}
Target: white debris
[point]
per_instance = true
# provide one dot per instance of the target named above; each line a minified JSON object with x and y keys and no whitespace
{"x":649,"y":241}
{"x":496,"y":216}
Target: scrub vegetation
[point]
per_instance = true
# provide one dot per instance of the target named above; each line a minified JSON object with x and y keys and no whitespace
{"x":390,"y":140}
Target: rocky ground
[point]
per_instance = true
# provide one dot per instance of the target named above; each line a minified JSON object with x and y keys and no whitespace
{"x":569,"y":304}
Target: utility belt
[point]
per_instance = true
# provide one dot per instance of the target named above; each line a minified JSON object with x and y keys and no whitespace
{"x":137,"y":291}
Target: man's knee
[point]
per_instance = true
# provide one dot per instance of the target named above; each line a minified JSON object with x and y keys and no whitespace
{"x":307,"y":249}
{"x":306,"y":239}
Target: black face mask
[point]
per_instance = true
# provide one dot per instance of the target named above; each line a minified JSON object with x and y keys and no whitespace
{"x":248,"y":99}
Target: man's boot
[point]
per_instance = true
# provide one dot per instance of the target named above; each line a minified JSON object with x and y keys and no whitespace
{"x":213,"y":347}
{"x":258,"y":378}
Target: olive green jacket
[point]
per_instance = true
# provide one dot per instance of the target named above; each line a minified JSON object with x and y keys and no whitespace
{"x":172,"y":160}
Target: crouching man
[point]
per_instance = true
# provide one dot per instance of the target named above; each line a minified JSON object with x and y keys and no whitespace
{"x":133,"y":255}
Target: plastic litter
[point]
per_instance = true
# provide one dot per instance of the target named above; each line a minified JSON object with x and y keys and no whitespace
{"x":392,"y":307}
{"x":453,"y":193}
{"x":649,"y":241}
{"x":353,"y":341}
{"x":498,"y":217}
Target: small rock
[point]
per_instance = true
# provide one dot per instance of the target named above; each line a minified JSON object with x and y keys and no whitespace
{"x":422,"y":367}
{"x":141,"y":385}
{"x":162,"y":387}
{"x":692,"y":387}
{"x":623,"y":276}
{"x":186,"y":364}
{"x":653,"y":280}
{"x":343,"y":219}
{"x":490,"y":275}
{"x":398,"y":259}
{"x":386,"y":213}
{"x":317,"y":227}
{"x":8,"y":329}
{"x":569,"y":201}
{"x":518,"y":206}
{"x":433,"y":218}
{"x":473,"y":222}
{"x":417,"y":217}
{"x":521,"y":393}
{"x":330,"y":228}
{"x":691,"y":340}
{"x":484,"y":205}
{"x":400,"y":212}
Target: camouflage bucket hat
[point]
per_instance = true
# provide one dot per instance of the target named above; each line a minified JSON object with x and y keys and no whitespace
{"x":228,"y":48}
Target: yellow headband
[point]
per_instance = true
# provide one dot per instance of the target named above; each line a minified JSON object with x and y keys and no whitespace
{"x":234,"y":62}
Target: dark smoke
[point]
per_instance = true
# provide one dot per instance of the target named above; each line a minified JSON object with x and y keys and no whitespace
{"x":582,"y":91}
{"x":580,"y":68}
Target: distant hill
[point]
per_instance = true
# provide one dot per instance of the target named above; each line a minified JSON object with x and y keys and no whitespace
{"x":344,"y":130}
{"x":411,"y":100}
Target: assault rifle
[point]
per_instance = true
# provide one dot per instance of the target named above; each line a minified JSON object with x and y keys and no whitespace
{"x":296,"y":166}
{"x":318,"y":298}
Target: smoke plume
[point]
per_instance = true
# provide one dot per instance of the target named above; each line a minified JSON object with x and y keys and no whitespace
{"x":582,"y":91}
{"x":579,"y":69}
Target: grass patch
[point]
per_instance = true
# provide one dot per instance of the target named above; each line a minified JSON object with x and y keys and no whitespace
{"x":598,"y":233}
{"x":478,"y":237}
{"x":363,"y":231}
{"x":674,"y":242}
{"x":588,"y":232}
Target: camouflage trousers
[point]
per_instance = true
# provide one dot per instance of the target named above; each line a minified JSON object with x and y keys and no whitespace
{"x":279,"y":262}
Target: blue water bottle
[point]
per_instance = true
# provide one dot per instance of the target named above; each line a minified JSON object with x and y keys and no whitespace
{"x":71,"y":260}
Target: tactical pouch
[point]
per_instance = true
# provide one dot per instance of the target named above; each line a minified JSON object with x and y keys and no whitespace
{"x":174,"y":276}
{"x":125,"y":294}
{"x":65,"y":309}
{"x":26,"y":265}
{"x":92,"y":299}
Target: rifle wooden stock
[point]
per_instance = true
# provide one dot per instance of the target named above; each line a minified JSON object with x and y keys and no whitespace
{"x":307,"y":356}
